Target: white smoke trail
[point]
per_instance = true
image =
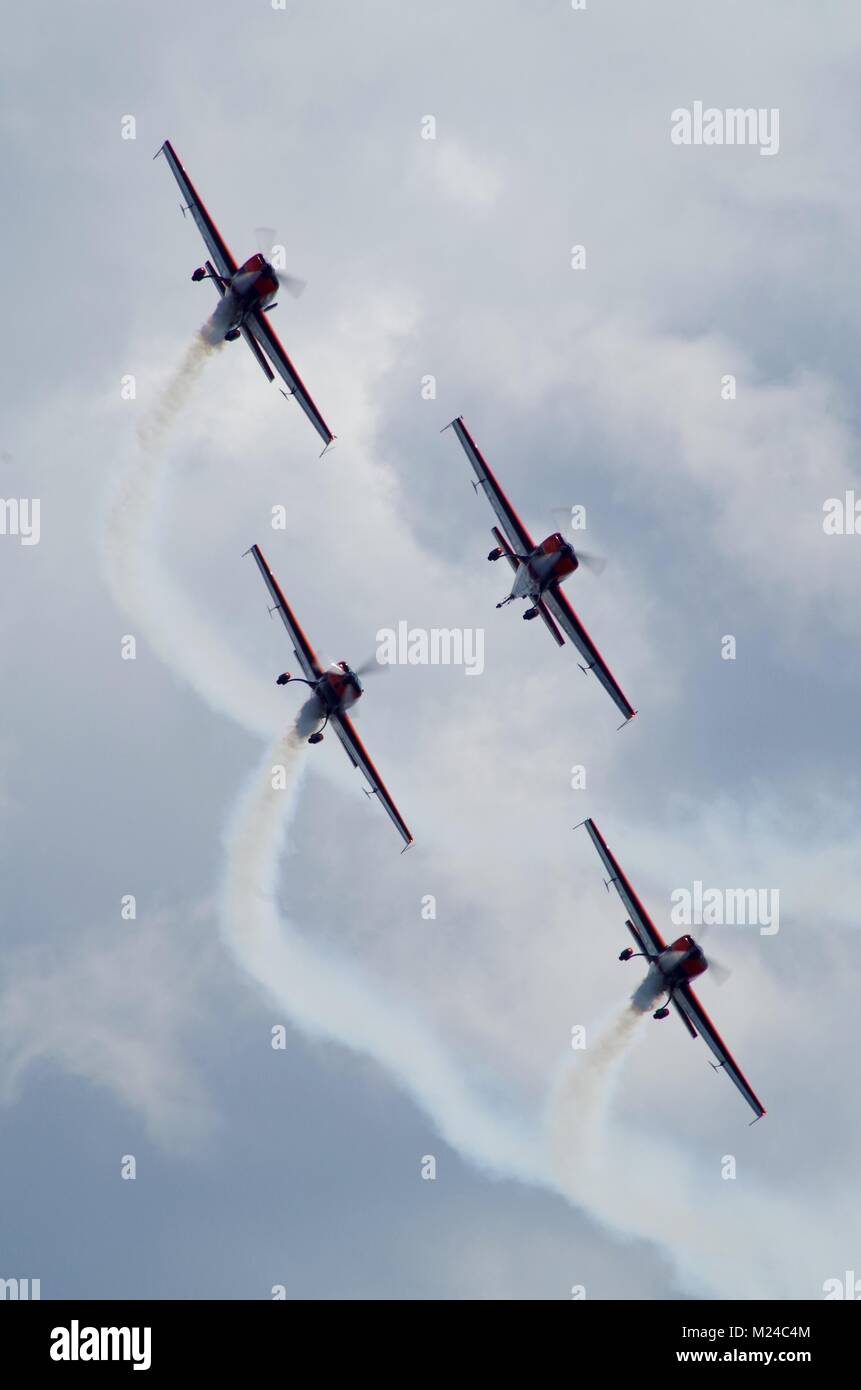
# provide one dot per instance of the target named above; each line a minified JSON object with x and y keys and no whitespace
{"x":328,"y":997}
{"x":579,"y":1101}
{"x":182,"y":636}
{"x":179,"y":387}
{"x":578,"y":1107}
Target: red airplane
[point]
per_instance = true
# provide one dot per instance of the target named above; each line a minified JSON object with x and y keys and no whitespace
{"x":538,"y":572}
{"x":249,"y":291}
{"x":671,"y":969}
{"x":334,"y":691}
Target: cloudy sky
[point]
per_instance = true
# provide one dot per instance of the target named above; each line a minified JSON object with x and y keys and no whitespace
{"x":408,"y":1036}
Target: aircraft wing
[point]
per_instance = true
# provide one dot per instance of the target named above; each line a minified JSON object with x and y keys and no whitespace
{"x":216,"y":245}
{"x":573,"y":628}
{"x":646,"y":929}
{"x":358,"y":755}
{"x":265,"y":335}
{"x":305,"y":653}
{"x":518,"y":537}
{"x":698,"y":1021}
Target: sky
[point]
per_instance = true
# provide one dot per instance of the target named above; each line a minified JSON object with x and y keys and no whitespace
{"x":411,"y":1037}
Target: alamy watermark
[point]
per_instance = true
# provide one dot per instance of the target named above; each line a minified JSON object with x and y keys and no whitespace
{"x":750,"y":907}
{"x":15,"y":1289}
{"x":436,"y":646}
{"x":21,"y":517}
{"x":734,"y":126}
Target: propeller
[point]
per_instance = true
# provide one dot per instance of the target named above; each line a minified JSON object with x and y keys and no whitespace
{"x":271,"y":248}
{"x":596,"y":564}
{"x":371,"y":667}
{"x":719,"y":972}
{"x":293,"y":284}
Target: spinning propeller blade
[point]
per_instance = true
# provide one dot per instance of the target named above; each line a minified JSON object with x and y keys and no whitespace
{"x":371,"y":667}
{"x":269,"y":246}
{"x":595,"y":563}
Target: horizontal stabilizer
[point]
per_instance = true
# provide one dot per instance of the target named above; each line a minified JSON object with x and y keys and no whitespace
{"x":504,"y":547}
{"x":258,"y":353}
{"x":214,"y":277}
{"x":641,"y":944}
{"x":549,"y":623}
{"x":685,"y":1020}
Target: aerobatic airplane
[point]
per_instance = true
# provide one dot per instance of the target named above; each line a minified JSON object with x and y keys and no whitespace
{"x":249,"y":290}
{"x":671,"y":969}
{"x":334,"y":691}
{"x":538,"y":572}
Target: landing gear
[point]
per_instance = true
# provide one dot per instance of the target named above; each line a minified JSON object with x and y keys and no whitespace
{"x":661,"y":1013}
{"x":232,"y":335}
{"x":316,"y":738}
{"x":530,"y":614}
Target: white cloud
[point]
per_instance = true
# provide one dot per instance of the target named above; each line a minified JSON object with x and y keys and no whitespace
{"x":117,"y":1007}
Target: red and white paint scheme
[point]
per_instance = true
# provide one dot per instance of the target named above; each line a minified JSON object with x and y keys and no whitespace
{"x":334,"y":691}
{"x":249,"y":291}
{"x":671,"y":969}
{"x":538,"y":572}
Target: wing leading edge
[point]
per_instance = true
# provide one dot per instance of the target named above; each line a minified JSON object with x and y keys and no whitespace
{"x":302,"y":648}
{"x":573,"y":628}
{"x":216,"y":245}
{"x":643,"y":921}
{"x":518,"y":537}
{"x":699,"y":1021}
{"x":268,"y":340}
{"x":359,"y":757}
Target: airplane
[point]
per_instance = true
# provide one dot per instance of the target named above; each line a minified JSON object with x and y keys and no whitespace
{"x":249,"y":290}
{"x":335,"y":691}
{"x":538,"y":572}
{"x":671,"y":969}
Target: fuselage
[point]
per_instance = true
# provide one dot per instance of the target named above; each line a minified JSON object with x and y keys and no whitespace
{"x":252,"y":286}
{"x":682,"y":960}
{"x":338,"y":688}
{"x":549,"y":563}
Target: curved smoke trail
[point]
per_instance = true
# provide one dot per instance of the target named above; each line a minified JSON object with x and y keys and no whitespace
{"x":179,"y":633}
{"x":323,"y":995}
{"x":328,"y":997}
